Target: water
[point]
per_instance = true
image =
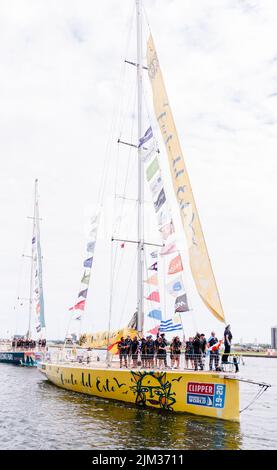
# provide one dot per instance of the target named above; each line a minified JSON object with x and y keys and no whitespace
{"x":35,"y":414}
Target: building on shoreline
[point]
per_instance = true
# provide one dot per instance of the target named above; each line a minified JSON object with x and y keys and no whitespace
{"x":274,"y":337}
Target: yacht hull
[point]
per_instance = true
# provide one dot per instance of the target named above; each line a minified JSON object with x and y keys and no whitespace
{"x":19,"y":358}
{"x":201,"y":393}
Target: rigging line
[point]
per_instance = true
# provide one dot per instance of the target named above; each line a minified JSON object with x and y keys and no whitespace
{"x":114,"y":268}
{"x":110,"y":303}
{"x":261,"y":391}
{"x":117,"y":171}
{"x":128,"y":43}
{"x":118,"y":109}
{"x":131,"y":277}
{"x":123,"y":201}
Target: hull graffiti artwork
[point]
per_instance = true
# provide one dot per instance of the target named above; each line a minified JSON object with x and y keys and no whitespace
{"x":153,"y":388}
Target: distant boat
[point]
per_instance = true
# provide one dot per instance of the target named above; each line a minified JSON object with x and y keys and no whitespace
{"x":24,"y":350}
{"x":213,"y":394}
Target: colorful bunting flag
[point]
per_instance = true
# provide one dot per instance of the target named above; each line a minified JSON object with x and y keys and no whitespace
{"x":147,"y":136}
{"x":79,"y":306}
{"x":154,"y":267}
{"x":167,"y":230}
{"x":163,"y":215}
{"x":168,"y":325}
{"x":94,"y":220}
{"x":152,"y":169}
{"x":91,"y":246}
{"x":88,"y":263}
{"x":168,"y":249}
{"x":157,"y":314}
{"x":154,"y":296}
{"x":83,"y":293}
{"x":176,"y":287}
{"x":175,"y":265}
{"x":160,"y":201}
{"x":152,"y":280}
{"x":181,"y":304}
{"x":154,"y":330}
{"x":177,"y":318}
{"x":148,"y":153}
{"x":85,"y":279}
{"x":156,"y":185}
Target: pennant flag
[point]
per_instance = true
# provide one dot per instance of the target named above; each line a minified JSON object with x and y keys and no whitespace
{"x":154,"y":296}
{"x":168,"y":249}
{"x":154,"y":267}
{"x":93,"y":232}
{"x":91,"y":246}
{"x":176,"y":287}
{"x":181,"y":304}
{"x":83,"y":293}
{"x":156,"y":185}
{"x":168,"y":325}
{"x":148,"y":153}
{"x":113,"y":349}
{"x":216,"y":346}
{"x":147,"y":136}
{"x":154,"y":254}
{"x":88,"y":263}
{"x":152,"y":280}
{"x":154,"y":330}
{"x":177,"y":318}
{"x":163,"y":216}
{"x":160,"y":201}
{"x":77,"y":316}
{"x":167,"y":230}
{"x":94,"y":220}
{"x":122,"y":245}
{"x":157,"y":314}
{"x":175,"y":265}
{"x":152,"y":169}
{"x":79,"y":306}
{"x":85,"y":279}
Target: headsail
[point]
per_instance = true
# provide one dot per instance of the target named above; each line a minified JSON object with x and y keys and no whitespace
{"x":199,"y":259}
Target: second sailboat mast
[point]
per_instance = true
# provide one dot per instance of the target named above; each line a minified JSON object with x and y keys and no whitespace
{"x":29,"y":333}
{"x":140,"y":260}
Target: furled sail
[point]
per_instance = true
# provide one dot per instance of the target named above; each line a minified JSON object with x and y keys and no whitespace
{"x":199,"y":259}
{"x":102,"y":339}
{"x":38,"y":297}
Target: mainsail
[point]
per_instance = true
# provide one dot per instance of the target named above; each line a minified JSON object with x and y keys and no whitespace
{"x":199,"y":259}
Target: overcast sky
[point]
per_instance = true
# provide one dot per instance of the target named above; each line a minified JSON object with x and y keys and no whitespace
{"x":60,"y":62}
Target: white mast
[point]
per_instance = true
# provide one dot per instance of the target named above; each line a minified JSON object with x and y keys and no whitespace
{"x":29,"y":333}
{"x":140,"y":258}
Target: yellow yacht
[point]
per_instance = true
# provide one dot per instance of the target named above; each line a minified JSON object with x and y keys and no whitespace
{"x":206,"y":393}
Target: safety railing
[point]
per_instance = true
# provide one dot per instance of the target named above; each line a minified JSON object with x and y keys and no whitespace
{"x":183,"y":361}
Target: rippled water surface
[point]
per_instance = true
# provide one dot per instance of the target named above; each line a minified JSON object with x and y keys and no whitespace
{"x":35,"y":414}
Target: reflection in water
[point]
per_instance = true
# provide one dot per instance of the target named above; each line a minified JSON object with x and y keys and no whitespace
{"x":123,"y":425}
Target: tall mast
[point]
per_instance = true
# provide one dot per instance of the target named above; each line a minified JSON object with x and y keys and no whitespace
{"x":140,"y":257}
{"x":32,"y":267}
